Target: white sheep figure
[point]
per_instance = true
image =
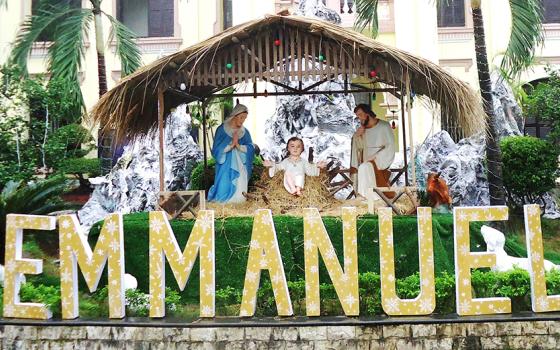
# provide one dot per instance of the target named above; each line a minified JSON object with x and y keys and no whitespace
{"x":130,"y":282}
{"x":495,"y":241}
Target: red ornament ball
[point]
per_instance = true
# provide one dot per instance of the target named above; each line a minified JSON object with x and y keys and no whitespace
{"x":277,"y":42}
{"x":373,"y":74}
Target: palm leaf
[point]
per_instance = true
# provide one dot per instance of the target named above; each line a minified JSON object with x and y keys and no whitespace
{"x":10,"y":188}
{"x":29,"y":197}
{"x":526,"y":35}
{"x":68,"y":50}
{"x":31,"y":29}
{"x":367,"y":16}
{"x":127,"y":50}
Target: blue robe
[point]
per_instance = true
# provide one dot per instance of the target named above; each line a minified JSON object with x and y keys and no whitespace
{"x":226,"y":167}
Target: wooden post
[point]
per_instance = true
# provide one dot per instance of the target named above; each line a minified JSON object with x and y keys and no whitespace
{"x":204,"y":141}
{"x":161,"y":139}
{"x":411,"y":140}
{"x":405,"y":157}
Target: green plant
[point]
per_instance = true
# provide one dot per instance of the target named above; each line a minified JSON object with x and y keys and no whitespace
{"x":80,"y":167}
{"x":227,"y":296}
{"x":137,"y":303}
{"x":41,"y":197}
{"x":48,"y":295}
{"x":445,"y":293}
{"x":531,"y":168}
{"x":542,"y":103}
{"x":70,"y":141}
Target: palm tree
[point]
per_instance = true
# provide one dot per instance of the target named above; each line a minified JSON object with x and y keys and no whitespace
{"x":526,"y":35}
{"x":68,"y":27}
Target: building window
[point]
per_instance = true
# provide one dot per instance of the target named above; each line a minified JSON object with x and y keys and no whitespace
{"x":537,"y":128}
{"x":451,"y":13}
{"x":228,"y":14}
{"x":48,"y":33}
{"x":551,"y":9}
{"x":148,"y":18}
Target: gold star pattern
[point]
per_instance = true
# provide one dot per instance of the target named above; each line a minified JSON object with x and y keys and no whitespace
{"x":465,"y":261}
{"x":345,"y":281}
{"x":264,"y":254}
{"x":16,"y":266}
{"x":75,"y":250}
{"x":163,"y":245}
{"x":425,"y":302}
{"x":540,"y":301}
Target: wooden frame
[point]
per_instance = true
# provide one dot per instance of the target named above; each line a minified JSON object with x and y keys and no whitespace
{"x":174,"y":203}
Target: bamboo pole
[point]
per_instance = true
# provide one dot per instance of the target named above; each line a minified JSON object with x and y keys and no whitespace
{"x":161,"y":139}
{"x":403,"y":121}
{"x":409,"y":115}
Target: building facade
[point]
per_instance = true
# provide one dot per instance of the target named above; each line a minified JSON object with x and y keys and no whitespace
{"x":443,"y":35}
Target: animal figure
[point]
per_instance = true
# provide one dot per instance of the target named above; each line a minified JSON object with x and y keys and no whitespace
{"x":495,"y":241}
{"x":130,"y":282}
{"x":438,"y":192}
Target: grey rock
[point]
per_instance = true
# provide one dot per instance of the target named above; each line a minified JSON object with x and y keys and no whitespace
{"x":462,"y":164}
{"x":133,"y":183}
{"x":316,"y":8}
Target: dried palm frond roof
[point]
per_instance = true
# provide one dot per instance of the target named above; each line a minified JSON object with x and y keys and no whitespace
{"x":131,"y":106}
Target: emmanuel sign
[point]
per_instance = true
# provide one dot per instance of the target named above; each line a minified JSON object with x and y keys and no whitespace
{"x":264,"y":254}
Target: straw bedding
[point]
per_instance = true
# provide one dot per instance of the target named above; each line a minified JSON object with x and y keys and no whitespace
{"x":269,"y":193}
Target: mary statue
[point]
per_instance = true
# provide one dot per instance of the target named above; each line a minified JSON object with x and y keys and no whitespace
{"x":233,"y":151}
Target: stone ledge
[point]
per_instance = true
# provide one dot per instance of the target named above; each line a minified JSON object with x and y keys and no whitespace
{"x":486,"y":335}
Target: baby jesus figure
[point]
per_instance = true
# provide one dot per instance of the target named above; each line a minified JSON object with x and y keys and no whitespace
{"x":295,"y":167}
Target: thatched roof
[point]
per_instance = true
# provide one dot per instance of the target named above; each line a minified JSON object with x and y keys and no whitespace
{"x":265,"y":49}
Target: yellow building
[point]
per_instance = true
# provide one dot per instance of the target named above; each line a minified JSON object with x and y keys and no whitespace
{"x":444,"y":36}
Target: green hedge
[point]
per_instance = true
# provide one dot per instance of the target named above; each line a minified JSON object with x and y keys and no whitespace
{"x":233,"y":236}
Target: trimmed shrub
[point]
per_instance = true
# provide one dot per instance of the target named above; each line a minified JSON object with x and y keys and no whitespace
{"x":80,"y":167}
{"x":234,"y":234}
{"x":530,"y":168}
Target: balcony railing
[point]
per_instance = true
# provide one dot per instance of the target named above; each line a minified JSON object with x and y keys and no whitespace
{"x":347,"y":11}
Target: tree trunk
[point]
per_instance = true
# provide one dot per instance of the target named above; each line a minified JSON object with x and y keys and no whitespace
{"x":493,"y":152}
{"x":100,"y":47}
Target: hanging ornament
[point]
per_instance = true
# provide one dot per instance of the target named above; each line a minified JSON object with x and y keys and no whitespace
{"x":229,"y":65}
{"x":373,"y":73}
{"x":321,"y":58}
{"x":393,"y":124}
{"x":183,"y":86}
{"x":374,"y":96}
{"x":277,"y":42}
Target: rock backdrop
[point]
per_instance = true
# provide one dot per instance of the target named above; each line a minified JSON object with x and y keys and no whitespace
{"x":133,"y":184}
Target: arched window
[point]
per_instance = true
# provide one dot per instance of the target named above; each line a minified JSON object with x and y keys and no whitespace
{"x":451,"y":13}
{"x":148,"y":18}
